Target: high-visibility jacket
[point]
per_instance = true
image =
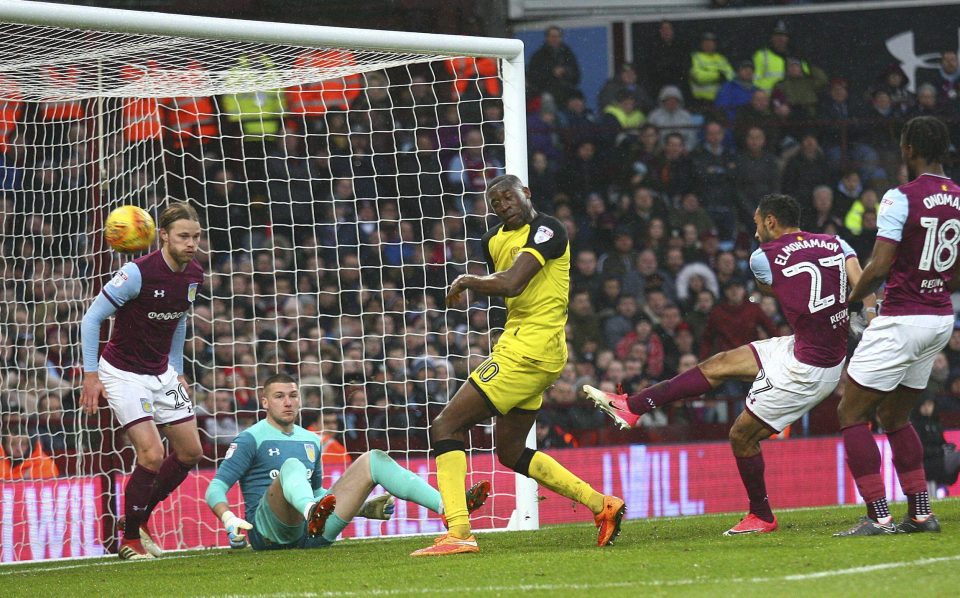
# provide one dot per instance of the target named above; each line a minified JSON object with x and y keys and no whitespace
{"x":769,"y":68}
{"x":11,"y":110}
{"x":465,"y":69}
{"x":38,"y":466}
{"x":66,"y":79}
{"x":259,"y":112}
{"x":330,"y":94}
{"x":187,"y":118}
{"x":633,"y":120}
{"x":141,"y":116}
{"x":707,"y":72}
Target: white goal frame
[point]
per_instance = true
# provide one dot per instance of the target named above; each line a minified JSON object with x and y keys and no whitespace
{"x":509,"y":51}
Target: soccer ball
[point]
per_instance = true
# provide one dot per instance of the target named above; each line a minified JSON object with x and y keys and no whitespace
{"x":129,"y":229}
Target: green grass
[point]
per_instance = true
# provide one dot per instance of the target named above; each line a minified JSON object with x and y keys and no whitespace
{"x":685,"y":556}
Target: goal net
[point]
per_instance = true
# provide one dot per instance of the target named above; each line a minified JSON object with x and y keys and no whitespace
{"x":339,"y":175}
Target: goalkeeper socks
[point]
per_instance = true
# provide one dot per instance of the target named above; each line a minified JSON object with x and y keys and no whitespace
{"x":451,"y":462}
{"x":296,"y":486}
{"x":402,"y":482}
{"x":751,"y":473}
{"x":136,"y":500}
{"x":171,"y":475}
{"x":908,"y":461}
{"x":333,"y":527}
{"x":863,"y":460}
{"x":691,"y":383}
{"x":550,"y":474}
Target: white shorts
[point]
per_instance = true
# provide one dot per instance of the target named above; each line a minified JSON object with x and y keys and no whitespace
{"x":141,"y":397}
{"x":899,"y":350}
{"x":785,"y":389}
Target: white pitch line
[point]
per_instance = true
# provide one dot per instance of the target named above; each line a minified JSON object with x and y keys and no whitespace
{"x":611,"y":585}
{"x":105,"y":563}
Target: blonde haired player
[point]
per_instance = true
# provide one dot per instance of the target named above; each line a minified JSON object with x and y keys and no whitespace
{"x":528,"y":255}
{"x":141,"y":369}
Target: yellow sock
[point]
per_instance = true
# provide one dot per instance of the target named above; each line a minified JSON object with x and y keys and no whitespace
{"x":451,"y":476}
{"x":558,"y":478}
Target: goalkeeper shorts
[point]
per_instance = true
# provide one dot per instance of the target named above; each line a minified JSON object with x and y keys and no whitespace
{"x":509,"y":381}
{"x":269,"y":533}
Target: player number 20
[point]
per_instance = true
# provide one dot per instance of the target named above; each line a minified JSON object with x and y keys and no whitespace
{"x":817,"y":302}
{"x":180,"y":398}
{"x":939,"y":244}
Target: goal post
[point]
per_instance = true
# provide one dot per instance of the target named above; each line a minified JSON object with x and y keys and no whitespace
{"x":339,"y":174}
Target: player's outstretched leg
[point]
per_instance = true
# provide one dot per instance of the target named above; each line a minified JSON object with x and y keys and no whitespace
{"x":299,"y":494}
{"x":863,"y":460}
{"x":745,"y":436}
{"x":451,"y":460}
{"x":627,"y":410}
{"x":511,"y":430}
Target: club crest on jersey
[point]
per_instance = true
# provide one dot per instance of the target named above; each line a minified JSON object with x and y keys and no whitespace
{"x":543,"y":235}
{"x":192,"y":291}
{"x":230,"y":450}
{"x":146,"y":405}
{"x":119,"y":278}
{"x":311,"y":450}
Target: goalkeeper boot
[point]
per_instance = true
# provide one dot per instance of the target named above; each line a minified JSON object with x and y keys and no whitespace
{"x":476,"y":497}
{"x":146,"y":538}
{"x":614,"y":405}
{"x":751,"y":524}
{"x":133,"y":550}
{"x":608,"y":520}
{"x":447,"y":544}
{"x":909,"y":525}
{"x":318,"y":514}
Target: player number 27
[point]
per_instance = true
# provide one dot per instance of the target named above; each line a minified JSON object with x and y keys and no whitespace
{"x":818,"y":302}
{"x":939,"y":244}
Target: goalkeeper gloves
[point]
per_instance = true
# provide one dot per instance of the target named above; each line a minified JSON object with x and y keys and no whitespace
{"x":235,"y":528}
{"x":380,"y":507}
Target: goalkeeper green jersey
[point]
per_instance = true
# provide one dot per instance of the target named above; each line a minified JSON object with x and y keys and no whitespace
{"x":254,"y":459}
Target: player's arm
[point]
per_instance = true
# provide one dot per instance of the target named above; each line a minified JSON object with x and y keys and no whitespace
{"x":547,"y":241}
{"x":234,"y":466}
{"x":124,"y":286}
{"x":176,"y":350}
{"x":760,"y":266}
{"x":508,"y":283}
{"x":854,"y":274}
{"x":890,"y":222}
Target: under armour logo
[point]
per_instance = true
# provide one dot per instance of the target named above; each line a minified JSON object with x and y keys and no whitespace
{"x":902,"y":48}
{"x":274,"y":452}
{"x":159,"y":293}
{"x":751,"y":399}
{"x":136,"y":508}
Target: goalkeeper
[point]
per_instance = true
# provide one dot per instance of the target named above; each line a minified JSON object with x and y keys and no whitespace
{"x":278,"y":466}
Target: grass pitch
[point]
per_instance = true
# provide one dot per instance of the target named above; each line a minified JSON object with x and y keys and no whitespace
{"x":678,"y":556}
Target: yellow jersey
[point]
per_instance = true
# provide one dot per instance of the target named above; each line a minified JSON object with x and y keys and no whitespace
{"x":536,"y":317}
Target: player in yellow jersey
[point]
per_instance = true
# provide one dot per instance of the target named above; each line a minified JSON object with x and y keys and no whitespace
{"x":528,"y":255}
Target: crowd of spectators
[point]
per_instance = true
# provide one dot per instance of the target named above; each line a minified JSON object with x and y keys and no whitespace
{"x":332,"y":232}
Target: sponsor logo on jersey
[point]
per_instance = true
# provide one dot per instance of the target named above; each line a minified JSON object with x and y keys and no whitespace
{"x":192,"y":291}
{"x":543,"y":235}
{"x":165,"y":315}
{"x":159,"y":293}
{"x":311,"y":450}
{"x":273,"y":452}
{"x":119,"y":278}
{"x":274,"y":474}
{"x":230,"y":450}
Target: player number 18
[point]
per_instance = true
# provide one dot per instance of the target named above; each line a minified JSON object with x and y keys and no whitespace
{"x":939,"y":244}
